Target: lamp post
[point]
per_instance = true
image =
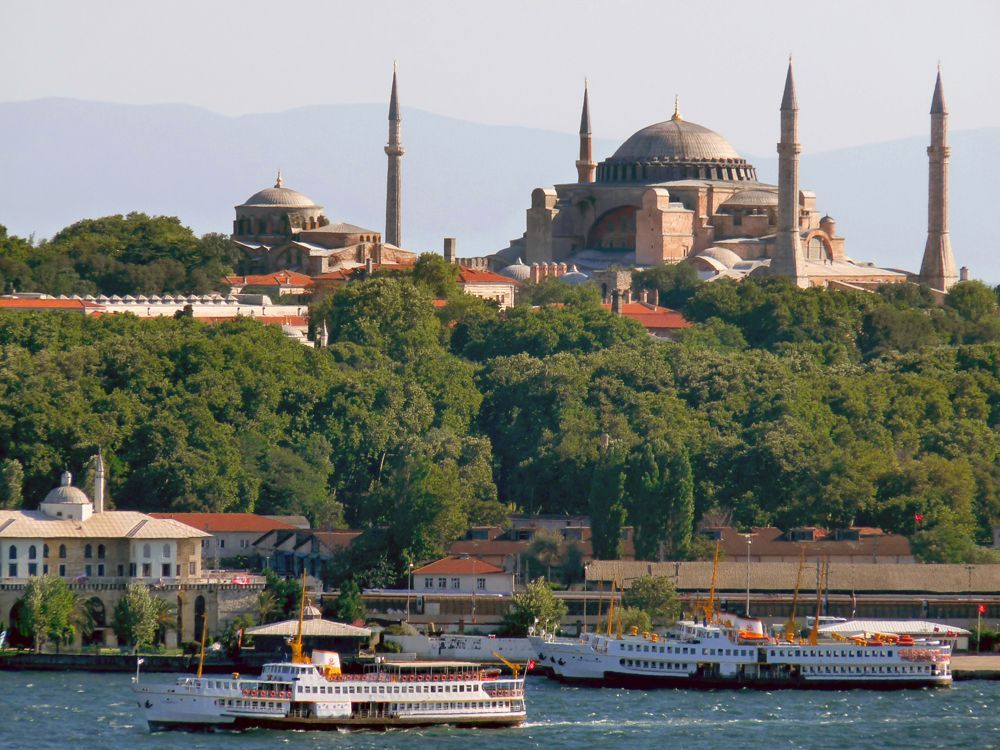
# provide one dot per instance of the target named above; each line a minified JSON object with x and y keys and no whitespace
{"x":749,"y":542}
{"x":409,"y":590}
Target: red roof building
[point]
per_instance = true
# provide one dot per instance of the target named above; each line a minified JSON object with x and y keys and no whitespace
{"x":461,"y":574}
{"x":31,"y":304}
{"x":661,"y":322}
{"x":277,"y":283}
{"x":233,"y":534}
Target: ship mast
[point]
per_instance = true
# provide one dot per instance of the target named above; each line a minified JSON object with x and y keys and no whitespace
{"x":204,"y":633}
{"x":611,"y":605}
{"x":297,"y":657}
{"x":814,"y":633}
{"x":710,"y":607}
{"x":790,"y":625}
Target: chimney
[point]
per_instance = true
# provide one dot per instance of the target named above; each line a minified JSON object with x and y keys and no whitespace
{"x":369,"y":267}
{"x":644,"y":295}
{"x":99,"y":484}
{"x":656,"y":297}
{"x":963,"y":273}
{"x":616,"y":302}
{"x":449,"y":249}
{"x":536,"y":272}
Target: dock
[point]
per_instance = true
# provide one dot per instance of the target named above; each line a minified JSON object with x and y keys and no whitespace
{"x":976,"y":667}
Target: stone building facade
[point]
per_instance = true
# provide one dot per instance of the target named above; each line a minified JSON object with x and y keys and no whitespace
{"x":99,"y":552}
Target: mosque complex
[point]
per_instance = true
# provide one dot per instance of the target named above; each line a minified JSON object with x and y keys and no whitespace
{"x":673,"y":192}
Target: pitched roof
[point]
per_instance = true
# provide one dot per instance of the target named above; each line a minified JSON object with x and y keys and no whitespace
{"x":335,"y":540}
{"x":278,"y":278}
{"x":653,"y":317}
{"x":475,"y":276}
{"x":770,"y":541}
{"x":899,"y":627}
{"x":780,"y":576}
{"x":309,"y":628}
{"x":113,"y":523}
{"x":458,"y":565}
{"x":216,"y":523}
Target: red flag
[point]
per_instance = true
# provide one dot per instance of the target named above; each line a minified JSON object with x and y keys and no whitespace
{"x":531,"y":664}
{"x":982,"y":609}
{"x":917,"y":517}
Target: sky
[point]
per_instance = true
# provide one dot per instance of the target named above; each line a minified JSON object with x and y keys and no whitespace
{"x":865,"y":70}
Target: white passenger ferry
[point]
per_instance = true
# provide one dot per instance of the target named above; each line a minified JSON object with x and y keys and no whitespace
{"x":735,"y":652}
{"x":313,"y":693}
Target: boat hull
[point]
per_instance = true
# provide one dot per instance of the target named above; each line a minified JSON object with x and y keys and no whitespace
{"x":240,"y":723}
{"x":646,"y":682}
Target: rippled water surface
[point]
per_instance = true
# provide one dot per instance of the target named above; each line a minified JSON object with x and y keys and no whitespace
{"x":79,"y":711}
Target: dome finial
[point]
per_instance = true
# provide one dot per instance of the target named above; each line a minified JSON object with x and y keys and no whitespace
{"x":677,"y":108}
{"x":66,"y":480}
{"x":279,"y":182}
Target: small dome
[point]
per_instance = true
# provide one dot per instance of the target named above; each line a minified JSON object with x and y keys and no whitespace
{"x":280,"y":196}
{"x":574,"y":277}
{"x":752,"y":199}
{"x":517,"y":271}
{"x":676,"y":138}
{"x":723,"y":257}
{"x":66,"y":492}
{"x":311,"y":612}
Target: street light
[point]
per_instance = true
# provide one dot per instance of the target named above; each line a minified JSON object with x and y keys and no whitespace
{"x":409,"y":591}
{"x":749,"y":542}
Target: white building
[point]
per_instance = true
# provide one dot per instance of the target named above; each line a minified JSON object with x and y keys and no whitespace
{"x":460,"y":574}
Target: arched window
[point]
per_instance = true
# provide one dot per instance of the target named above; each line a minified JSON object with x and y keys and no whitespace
{"x":101,"y":552}
{"x":815,"y":250}
{"x":12,"y":554}
{"x":62,"y":551}
{"x":147,"y":551}
{"x":88,"y":551}
{"x":32,"y":552}
{"x":166,"y":551}
{"x":45,"y":551}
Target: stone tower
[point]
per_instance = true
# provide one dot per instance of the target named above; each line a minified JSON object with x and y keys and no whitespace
{"x":394,"y":179}
{"x":937,"y":270}
{"x":788,"y":259}
{"x":586,"y":167}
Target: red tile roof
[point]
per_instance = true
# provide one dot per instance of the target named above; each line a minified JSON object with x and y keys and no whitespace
{"x":473,"y":276}
{"x":439,"y":302}
{"x":653,"y":317}
{"x":347,"y":274}
{"x":49,"y":304}
{"x":227,"y":522}
{"x":455,"y":565}
{"x":335,"y":540}
{"x":278,"y":278}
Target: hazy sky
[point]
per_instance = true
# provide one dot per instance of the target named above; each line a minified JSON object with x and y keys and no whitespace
{"x":865,"y":69}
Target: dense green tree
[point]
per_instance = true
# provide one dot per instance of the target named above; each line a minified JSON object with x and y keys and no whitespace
{"x":656,"y":596}
{"x":50,"y":612}
{"x":607,"y":509}
{"x":11,"y":483}
{"x":972,"y":300}
{"x":137,"y":617}
{"x":534,"y":609}
{"x":627,"y":618}
{"x":350,"y":608}
{"x":675,"y":282}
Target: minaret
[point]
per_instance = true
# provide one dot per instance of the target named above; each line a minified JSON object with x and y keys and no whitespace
{"x":99,"y":484}
{"x":394,"y":180}
{"x":586,"y":167}
{"x":788,"y":259}
{"x":938,"y":267}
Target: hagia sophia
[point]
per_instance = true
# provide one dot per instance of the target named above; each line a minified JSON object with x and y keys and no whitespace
{"x":675,"y":191}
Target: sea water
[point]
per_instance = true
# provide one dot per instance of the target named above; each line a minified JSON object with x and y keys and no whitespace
{"x":77,"y":711}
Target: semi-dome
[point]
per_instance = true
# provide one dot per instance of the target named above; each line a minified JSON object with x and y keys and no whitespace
{"x":574,"y":276}
{"x":676,"y":139}
{"x":66,"y":493}
{"x":752,"y":199}
{"x":516,"y":270}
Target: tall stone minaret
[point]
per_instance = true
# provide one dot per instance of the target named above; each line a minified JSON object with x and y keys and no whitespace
{"x":938,"y":267}
{"x":394,"y":179}
{"x":788,"y":259}
{"x":585,"y":165}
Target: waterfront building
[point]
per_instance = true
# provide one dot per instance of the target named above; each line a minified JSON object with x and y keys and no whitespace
{"x":99,"y":551}
{"x":233,"y":535}
{"x":462,"y":574}
{"x":676,"y":191}
{"x":290,"y":551}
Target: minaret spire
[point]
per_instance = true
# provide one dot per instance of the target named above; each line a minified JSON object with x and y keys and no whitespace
{"x":937,"y":270}
{"x":788,"y":259}
{"x":677,"y":108}
{"x":394,"y":181}
{"x":585,"y":165}
{"x":279,"y":182}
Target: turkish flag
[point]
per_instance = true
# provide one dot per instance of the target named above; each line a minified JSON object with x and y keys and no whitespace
{"x":982,"y":609}
{"x":917,"y":517}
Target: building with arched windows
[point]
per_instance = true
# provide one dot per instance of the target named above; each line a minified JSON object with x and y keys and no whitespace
{"x":676,"y":191}
{"x":99,"y":552}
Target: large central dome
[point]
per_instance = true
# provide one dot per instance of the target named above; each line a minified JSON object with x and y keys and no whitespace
{"x":676,"y":139}
{"x":675,"y":150}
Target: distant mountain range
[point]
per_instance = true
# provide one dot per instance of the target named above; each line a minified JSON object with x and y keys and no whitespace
{"x":62,"y":160}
